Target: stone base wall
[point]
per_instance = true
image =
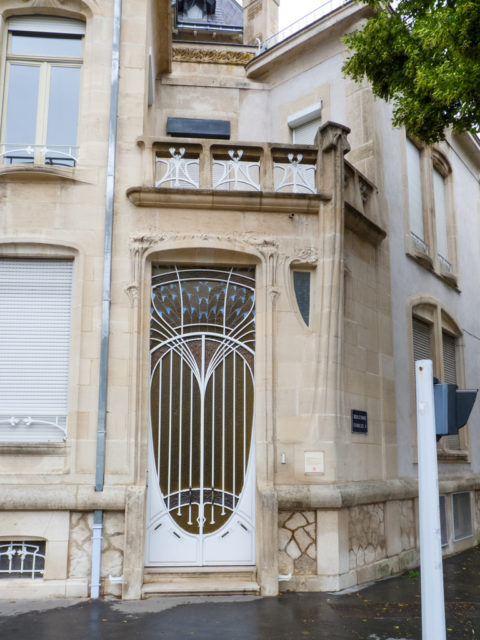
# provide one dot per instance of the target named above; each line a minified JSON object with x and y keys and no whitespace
{"x":297,"y":543}
{"x":80,"y":548}
{"x":366,"y":542}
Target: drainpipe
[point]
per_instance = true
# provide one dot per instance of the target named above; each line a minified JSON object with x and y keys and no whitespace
{"x":107,"y":278}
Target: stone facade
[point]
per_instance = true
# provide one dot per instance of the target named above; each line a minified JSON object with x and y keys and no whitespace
{"x":333,"y":507}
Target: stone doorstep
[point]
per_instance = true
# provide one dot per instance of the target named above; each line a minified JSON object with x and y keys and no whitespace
{"x":199,"y":581}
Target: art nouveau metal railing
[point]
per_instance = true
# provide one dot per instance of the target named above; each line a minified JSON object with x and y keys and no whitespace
{"x":23,"y":559}
{"x":15,"y":153}
{"x":283,"y":169}
{"x":32,"y":428}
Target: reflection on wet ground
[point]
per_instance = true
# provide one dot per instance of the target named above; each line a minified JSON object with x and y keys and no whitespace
{"x":387,"y":610}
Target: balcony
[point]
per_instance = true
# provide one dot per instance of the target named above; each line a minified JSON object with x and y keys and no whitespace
{"x":241,"y":176}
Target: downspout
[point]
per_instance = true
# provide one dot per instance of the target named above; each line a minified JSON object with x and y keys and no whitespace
{"x":107,"y":283}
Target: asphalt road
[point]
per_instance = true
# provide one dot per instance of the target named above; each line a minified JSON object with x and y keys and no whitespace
{"x":387,"y":610}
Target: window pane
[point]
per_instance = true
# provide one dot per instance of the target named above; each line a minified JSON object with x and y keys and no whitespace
{"x":440,"y":214}
{"x":301,"y":284}
{"x":415,"y":202}
{"x":443,"y":521}
{"x":46,"y":45}
{"x":462,"y":515}
{"x":449,"y":359}
{"x":21,"y":105}
{"x":63,"y":107}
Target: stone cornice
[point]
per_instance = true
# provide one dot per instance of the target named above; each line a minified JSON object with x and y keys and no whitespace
{"x":61,"y":497}
{"x":208,"y":199}
{"x":212,"y":56}
{"x":340,"y":496}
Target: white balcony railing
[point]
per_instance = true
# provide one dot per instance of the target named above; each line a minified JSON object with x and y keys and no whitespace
{"x":24,"y":153}
{"x":324,"y":9}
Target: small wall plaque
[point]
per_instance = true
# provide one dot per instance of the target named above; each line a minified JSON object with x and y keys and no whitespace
{"x":314,"y":462}
{"x":359,"y":421}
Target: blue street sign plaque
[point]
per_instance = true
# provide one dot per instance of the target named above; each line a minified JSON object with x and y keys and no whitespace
{"x":359,"y":421}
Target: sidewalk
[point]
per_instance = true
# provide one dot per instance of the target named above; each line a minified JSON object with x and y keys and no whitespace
{"x":387,"y":610}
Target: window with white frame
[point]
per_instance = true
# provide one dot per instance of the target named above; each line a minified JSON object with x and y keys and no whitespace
{"x":35,"y":327}
{"x":435,"y":337}
{"x":304,"y":124}
{"x":41,"y":90}
{"x":429,"y":212}
{"x":462,"y":515}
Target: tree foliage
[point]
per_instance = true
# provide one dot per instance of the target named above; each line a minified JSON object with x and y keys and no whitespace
{"x":424,"y":56}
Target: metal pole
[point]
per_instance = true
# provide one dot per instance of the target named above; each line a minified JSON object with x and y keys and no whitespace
{"x":433,"y":604}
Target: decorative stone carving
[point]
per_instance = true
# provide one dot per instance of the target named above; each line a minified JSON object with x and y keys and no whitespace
{"x":297,"y":542}
{"x":212,"y":56}
{"x":139,"y":244}
{"x":308,"y":255}
{"x":367,"y":534}
{"x":57,"y":4}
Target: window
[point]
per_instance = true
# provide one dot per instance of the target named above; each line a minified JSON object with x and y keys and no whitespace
{"x":462,"y":515}
{"x":304,"y":124}
{"x":22,"y":559}
{"x":443,"y":521}
{"x":41,"y":90}
{"x":35,"y":320}
{"x":301,"y":287}
{"x":436,"y":337}
{"x":429,"y":213}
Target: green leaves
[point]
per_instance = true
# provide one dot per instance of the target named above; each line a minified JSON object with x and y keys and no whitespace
{"x":424,"y":56}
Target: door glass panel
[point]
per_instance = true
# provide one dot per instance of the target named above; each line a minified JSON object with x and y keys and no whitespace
{"x":202,"y":390}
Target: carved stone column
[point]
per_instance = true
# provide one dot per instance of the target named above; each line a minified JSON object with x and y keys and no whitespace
{"x":332,"y":144}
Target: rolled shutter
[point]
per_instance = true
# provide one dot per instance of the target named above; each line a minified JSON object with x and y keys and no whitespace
{"x":35,"y":327}
{"x":422,"y":332}
{"x":46,"y":24}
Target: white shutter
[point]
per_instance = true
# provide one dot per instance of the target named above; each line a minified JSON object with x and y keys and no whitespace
{"x":421,"y":340}
{"x":35,"y":326}
{"x":305,"y":133}
{"x":449,"y":359}
{"x":46,"y":24}
{"x":440,"y":214}
{"x":450,"y":376}
{"x":415,"y":201}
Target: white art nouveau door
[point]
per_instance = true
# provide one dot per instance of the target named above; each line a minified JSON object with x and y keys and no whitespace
{"x":201,"y":465}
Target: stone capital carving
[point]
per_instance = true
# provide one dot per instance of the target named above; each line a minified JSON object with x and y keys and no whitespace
{"x":307,"y":255}
{"x":332,"y":135}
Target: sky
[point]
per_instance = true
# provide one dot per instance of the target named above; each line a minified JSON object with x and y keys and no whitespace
{"x":291,"y":10}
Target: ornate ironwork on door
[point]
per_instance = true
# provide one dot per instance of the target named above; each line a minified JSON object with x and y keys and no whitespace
{"x":202,"y":340}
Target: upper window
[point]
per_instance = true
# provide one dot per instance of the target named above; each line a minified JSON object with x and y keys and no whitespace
{"x":429,"y":212}
{"x":35,"y":321}
{"x":436,"y":338}
{"x":304,"y":124}
{"x":41,"y":90}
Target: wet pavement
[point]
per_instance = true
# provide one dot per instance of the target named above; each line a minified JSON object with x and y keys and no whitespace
{"x":387,"y":610}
